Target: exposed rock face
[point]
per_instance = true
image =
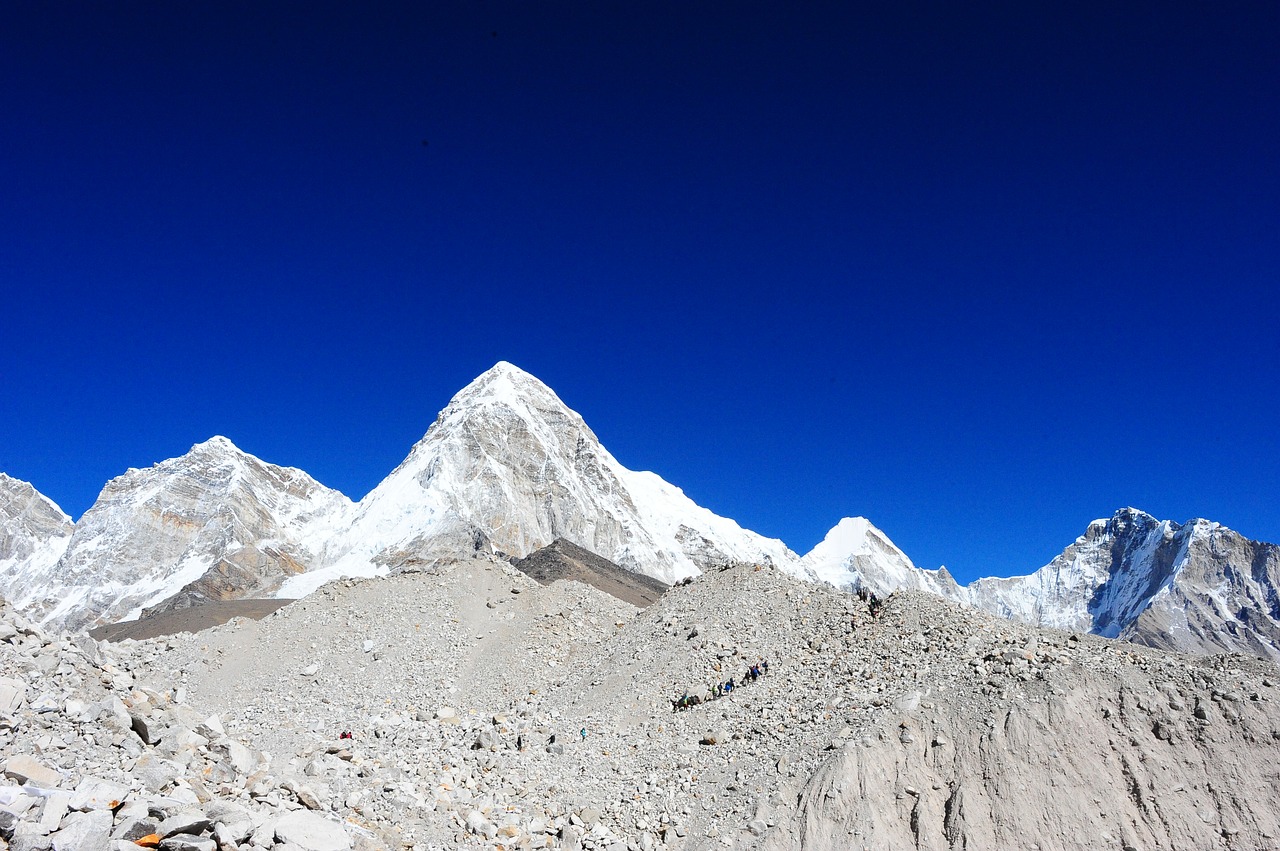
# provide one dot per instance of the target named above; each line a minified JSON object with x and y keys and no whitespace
{"x":508,"y":468}
{"x":1223,"y":597}
{"x":33,"y":531}
{"x":1198,"y":587}
{"x":214,"y":524}
{"x":562,"y":560}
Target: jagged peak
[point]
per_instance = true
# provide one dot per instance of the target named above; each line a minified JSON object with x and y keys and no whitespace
{"x":506,"y":388}
{"x":1119,"y":522}
{"x":25,"y":489}
{"x":1131,"y":513}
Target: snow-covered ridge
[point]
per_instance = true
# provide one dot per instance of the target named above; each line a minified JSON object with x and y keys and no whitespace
{"x":855,"y":555}
{"x":508,"y":468}
{"x":215,"y":523}
{"x":1197,"y":587}
{"x":34,"y":532}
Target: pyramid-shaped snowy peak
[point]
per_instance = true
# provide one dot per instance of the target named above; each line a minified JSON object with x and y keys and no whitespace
{"x":855,"y":555}
{"x":508,"y":467}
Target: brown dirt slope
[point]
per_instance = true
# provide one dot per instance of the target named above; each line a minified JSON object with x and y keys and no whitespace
{"x":564,"y":560}
{"x":193,"y":619}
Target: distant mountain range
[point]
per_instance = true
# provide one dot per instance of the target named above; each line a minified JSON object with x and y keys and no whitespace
{"x":508,"y":468}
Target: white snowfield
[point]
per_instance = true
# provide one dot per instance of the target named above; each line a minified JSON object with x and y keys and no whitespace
{"x":508,"y":468}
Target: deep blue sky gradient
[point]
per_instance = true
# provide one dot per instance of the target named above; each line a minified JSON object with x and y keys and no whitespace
{"x":979,"y":272}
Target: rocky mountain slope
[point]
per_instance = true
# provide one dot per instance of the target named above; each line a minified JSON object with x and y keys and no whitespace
{"x":215,"y":524}
{"x":91,"y":759}
{"x":34,"y":532}
{"x":507,"y":469}
{"x":1198,"y":587}
{"x":487,"y":711}
{"x":561,"y":560}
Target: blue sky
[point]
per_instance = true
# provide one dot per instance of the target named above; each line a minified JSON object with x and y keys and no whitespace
{"x":979,"y":272}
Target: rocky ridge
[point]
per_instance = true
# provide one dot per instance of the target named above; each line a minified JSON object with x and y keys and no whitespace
{"x":561,"y":560}
{"x":214,"y":524}
{"x":94,"y":759}
{"x":469,"y":689}
{"x":507,"y":469}
{"x":34,"y":532}
{"x":1197,"y":587}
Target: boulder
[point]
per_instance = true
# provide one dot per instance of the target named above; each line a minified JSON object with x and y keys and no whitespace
{"x":95,"y":793}
{"x":312,"y":832}
{"x":187,"y":821}
{"x":187,"y":842}
{"x":29,"y":837}
{"x":133,"y":827}
{"x":89,"y":831}
{"x":13,"y":693}
{"x":150,"y":730}
{"x":8,"y":821}
{"x":25,"y":768}
{"x":156,"y":774}
{"x":241,"y":758}
{"x":477,"y":823}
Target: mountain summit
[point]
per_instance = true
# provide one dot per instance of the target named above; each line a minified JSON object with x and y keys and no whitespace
{"x":216,"y":523}
{"x":507,"y":467}
{"x":1196,"y":587}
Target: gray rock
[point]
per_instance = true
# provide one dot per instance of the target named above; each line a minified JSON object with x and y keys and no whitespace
{"x":55,"y":807}
{"x":25,"y":768}
{"x":186,"y":821}
{"x":13,"y":693}
{"x":89,"y":831}
{"x":8,"y":821}
{"x":150,"y":730}
{"x":312,"y":832}
{"x":241,"y":758}
{"x":156,"y":774}
{"x":187,"y":842}
{"x":29,"y":837}
{"x":477,"y":823}
{"x":133,"y":827}
{"x":95,"y":793}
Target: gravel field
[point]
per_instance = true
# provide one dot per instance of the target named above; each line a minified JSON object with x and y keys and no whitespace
{"x":488,"y":711}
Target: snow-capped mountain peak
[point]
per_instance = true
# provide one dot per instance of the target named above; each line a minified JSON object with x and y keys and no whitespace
{"x":214,"y":522}
{"x":34,"y":531}
{"x":508,"y":467}
{"x":855,"y":555}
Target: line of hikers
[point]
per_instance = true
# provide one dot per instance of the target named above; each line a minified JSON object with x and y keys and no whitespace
{"x":719,"y":690}
{"x":874,"y":603}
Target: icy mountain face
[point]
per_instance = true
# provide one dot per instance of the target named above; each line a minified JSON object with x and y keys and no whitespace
{"x":216,"y":523}
{"x":33,"y":531}
{"x":1222,"y":599}
{"x":1198,"y":588}
{"x":508,"y":467}
{"x":855,"y":555}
